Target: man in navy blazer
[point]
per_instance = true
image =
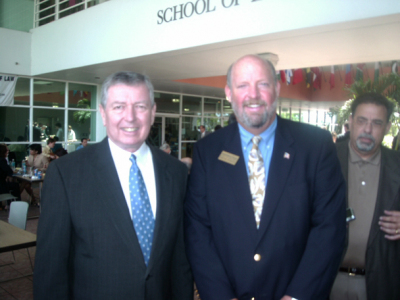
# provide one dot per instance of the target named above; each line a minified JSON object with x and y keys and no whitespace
{"x":295,"y":251}
{"x":87,"y":243}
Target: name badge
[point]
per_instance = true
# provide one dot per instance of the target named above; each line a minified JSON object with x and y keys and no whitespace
{"x":228,"y":158}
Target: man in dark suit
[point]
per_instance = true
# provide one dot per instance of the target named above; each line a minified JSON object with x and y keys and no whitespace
{"x":111,"y":225}
{"x":282,"y":235}
{"x":370,"y":268}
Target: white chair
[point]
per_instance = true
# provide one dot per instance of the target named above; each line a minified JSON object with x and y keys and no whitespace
{"x":17,"y":217}
{"x":18,"y":214}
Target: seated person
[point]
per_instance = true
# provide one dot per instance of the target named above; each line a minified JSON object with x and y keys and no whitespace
{"x":35,"y":160}
{"x":6,"y":183}
{"x":83,"y":144}
{"x":61,"y":152}
{"x":56,"y":146}
{"x":47,"y":152}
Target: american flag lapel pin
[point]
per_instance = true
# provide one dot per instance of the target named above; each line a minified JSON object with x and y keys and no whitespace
{"x":286,"y":155}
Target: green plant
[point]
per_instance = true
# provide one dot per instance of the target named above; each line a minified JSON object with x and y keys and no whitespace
{"x":81,"y":116}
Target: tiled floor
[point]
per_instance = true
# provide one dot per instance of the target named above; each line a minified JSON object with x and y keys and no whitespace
{"x":18,"y":289}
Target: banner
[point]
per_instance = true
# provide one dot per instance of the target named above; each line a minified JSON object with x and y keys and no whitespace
{"x":7,"y":89}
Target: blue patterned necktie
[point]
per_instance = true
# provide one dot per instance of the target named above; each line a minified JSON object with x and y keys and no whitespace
{"x":142,"y":215}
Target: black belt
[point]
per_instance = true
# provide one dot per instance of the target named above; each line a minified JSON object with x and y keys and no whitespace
{"x":353,"y":271}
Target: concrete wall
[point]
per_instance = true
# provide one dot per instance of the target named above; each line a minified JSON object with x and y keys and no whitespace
{"x":120,"y":29}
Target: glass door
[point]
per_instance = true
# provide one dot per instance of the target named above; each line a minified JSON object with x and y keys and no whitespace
{"x":165,"y":129}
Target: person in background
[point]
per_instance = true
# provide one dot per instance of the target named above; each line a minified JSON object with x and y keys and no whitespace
{"x":6,"y":183}
{"x":334,"y":136}
{"x":84,"y":142}
{"x":36,"y":132}
{"x":56,"y":145}
{"x":111,"y":223}
{"x":47,"y":152}
{"x":217,"y":127}
{"x":71,"y":134}
{"x":166,"y":148}
{"x":38,"y":161}
{"x":371,"y":265}
{"x":265,"y":206}
{"x":203,"y":132}
{"x":60,"y":132}
{"x":344,"y":137}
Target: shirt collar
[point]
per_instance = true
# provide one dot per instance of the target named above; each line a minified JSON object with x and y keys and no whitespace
{"x":375,"y":159}
{"x":266,"y":135}
{"x":124,"y":155}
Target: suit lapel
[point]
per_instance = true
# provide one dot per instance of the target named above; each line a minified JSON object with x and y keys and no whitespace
{"x":113,"y":199}
{"x":389,"y":183}
{"x":164,"y":180}
{"x":281,"y":162}
{"x":238,"y":179}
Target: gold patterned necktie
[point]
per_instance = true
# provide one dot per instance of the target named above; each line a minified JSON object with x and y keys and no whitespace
{"x":257,"y":178}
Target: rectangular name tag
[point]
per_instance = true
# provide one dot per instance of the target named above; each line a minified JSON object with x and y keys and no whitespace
{"x":228,"y":158}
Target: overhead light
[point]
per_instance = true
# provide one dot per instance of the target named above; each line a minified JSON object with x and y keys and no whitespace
{"x":272,"y":57}
{"x":42,"y":82}
{"x":175,"y":100}
{"x":186,"y":109}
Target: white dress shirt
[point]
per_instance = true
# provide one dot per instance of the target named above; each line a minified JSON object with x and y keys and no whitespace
{"x":144,"y":160}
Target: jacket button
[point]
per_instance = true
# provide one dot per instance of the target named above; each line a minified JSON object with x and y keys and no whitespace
{"x":257,"y":257}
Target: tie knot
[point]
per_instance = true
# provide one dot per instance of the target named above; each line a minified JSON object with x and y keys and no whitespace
{"x":256,"y":139}
{"x":133,"y":158}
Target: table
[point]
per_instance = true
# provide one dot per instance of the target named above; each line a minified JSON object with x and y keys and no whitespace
{"x":31,"y":181}
{"x":14,"y":238}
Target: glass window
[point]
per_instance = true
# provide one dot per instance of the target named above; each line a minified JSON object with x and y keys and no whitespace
{"x":191,"y":105}
{"x":21,"y":94}
{"x":295,"y":114}
{"x":212,"y":107}
{"x":172,"y":135}
{"x":227,"y":108}
{"x":285,"y":113}
{"x":187,"y":149}
{"x":48,"y":93}
{"x":48,"y":123}
{"x":313,"y":117}
{"x":190,"y":128}
{"x":82,"y":96}
{"x":14,"y":124}
{"x":155,"y":134}
{"x":167,"y":103}
{"x":210,"y":123}
{"x":304,"y":116}
{"x":81,"y":123}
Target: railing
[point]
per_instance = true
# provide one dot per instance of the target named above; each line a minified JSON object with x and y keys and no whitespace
{"x":46,"y":11}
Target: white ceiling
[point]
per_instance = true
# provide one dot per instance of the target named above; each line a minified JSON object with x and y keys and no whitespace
{"x":361,"y":41}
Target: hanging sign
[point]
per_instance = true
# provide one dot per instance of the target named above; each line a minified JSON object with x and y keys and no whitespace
{"x":7,"y":89}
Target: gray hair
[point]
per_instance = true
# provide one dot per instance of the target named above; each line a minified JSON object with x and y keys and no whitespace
{"x":165,"y":146}
{"x":267,"y":63}
{"x":126,"y":78}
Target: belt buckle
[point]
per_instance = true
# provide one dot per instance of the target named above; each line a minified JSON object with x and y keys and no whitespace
{"x":352,"y":272}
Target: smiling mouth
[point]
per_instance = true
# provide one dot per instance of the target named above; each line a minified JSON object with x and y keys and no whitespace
{"x":130,"y":129}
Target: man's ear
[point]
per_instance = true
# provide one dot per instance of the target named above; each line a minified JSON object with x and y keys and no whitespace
{"x":228,"y":93}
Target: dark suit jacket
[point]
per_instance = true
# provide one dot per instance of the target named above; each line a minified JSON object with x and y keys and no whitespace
{"x":382,"y":256}
{"x":87,"y":247}
{"x":302,"y":230}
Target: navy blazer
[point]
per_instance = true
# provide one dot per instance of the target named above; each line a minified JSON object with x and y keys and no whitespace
{"x":302,"y":231}
{"x":87,"y":247}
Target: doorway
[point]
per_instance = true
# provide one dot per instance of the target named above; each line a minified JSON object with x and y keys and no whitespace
{"x":165,"y":129}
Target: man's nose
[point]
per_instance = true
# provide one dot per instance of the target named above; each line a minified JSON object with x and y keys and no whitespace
{"x":130,"y":113}
{"x":368,"y":127}
{"x":254,"y":92}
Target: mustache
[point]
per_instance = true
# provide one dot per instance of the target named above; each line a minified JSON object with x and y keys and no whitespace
{"x":366,"y":135}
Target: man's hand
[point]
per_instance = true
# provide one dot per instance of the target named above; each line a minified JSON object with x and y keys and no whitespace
{"x":286,"y":298}
{"x":390,"y":223}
